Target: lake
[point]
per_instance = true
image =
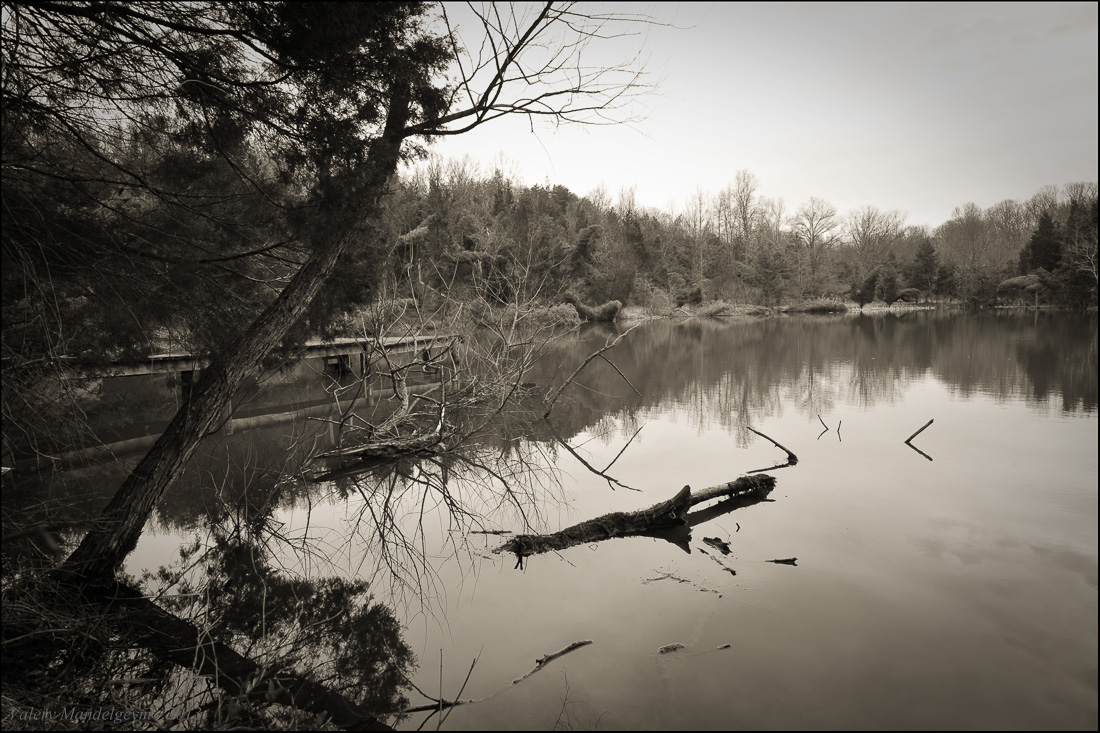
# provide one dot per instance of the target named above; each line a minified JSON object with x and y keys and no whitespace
{"x":949,"y":584}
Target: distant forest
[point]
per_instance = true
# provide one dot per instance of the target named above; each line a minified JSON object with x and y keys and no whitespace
{"x":455,"y":227}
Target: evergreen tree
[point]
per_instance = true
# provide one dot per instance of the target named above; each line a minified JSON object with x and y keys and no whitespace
{"x":886,"y":286}
{"x":945,"y":280}
{"x":863,"y":293}
{"x":921,"y":273}
{"x":1045,"y":247}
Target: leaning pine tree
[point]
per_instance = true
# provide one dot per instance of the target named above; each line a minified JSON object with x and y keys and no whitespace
{"x":233,"y":156}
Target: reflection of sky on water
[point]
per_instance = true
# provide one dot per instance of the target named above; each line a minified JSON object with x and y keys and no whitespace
{"x":956,"y":592}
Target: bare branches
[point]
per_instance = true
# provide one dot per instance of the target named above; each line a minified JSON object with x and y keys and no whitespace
{"x":612,"y":482}
{"x":790,"y":457}
{"x":534,"y":62}
{"x":610,"y":344}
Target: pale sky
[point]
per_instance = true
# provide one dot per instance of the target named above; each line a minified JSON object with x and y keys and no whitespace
{"x":914,"y":107}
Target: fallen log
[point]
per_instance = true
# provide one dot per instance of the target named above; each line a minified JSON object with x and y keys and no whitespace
{"x":668,"y":515}
{"x":368,"y":457}
{"x":393,"y":448}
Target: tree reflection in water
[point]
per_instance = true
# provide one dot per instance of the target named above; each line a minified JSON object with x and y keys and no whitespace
{"x":286,"y":568}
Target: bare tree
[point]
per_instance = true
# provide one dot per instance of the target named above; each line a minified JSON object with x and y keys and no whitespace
{"x":745,"y":211}
{"x":1010,"y":229}
{"x":814,"y":227}
{"x":531,"y":60}
{"x":969,"y":241}
{"x":1080,"y":245}
{"x":627,"y":206}
{"x":697,"y":219}
{"x":871,"y":233}
{"x":772,"y":221}
{"x":1045,"y":201}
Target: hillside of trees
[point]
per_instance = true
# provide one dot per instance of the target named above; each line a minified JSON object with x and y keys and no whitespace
{"x":460,"y":231}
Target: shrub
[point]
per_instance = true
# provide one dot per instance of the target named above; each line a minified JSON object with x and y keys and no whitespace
{"x":561,"y":315}
{"x":909,"y":295}
{"x":714,"y":309}
{"x":690,"y":296}
{"x":821,"y":305}
{"x":605,"y":312}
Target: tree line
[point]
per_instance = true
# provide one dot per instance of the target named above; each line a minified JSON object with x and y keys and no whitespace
{"x":470,"y":232}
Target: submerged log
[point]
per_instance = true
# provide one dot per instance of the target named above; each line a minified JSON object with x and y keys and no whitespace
{"x":668,"y":515}
{"x":393,"y":448}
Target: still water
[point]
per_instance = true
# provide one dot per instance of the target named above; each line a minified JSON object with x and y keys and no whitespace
{"x":950,"y":587}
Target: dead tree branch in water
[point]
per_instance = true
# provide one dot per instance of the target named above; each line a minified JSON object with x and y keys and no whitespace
{"x":671,"y":514}
{"x":908,"y":441}
{"x":443,"y":704}
{"x":611,"y":481}
{"x":792,"y":459}
{"x":923,"y":428}
{"x":620,"y":372}
{"x":608,"y":345}
{"x":623,"y":450}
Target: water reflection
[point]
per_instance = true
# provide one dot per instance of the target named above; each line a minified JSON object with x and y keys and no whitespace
{"x":326,"y":628}
{"x":712,"y":373}
{"x":958,"y":566}
{"x":722,"y":374}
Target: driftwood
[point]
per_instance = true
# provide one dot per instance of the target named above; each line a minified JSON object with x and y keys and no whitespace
{"x":547,"y":658}
{"x":668,"y":520}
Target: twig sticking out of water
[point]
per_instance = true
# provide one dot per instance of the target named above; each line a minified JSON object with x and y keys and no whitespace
{"x":910,"y":438}
{"x":791,"y":458}
{"x":610,"y":344}
{"x":441,"y":704}
{"x":822,"y":421}
{"x":785,"y":561}
{"x":546,"y":659}
{"x":923,"y":428}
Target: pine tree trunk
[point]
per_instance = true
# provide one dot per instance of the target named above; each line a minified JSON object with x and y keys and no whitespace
{"x":342,"y":210}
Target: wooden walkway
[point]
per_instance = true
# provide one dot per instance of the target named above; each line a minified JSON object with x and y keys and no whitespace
{"x":341,"y":349}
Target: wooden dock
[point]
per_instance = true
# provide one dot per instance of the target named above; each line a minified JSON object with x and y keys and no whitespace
{"x":339,"y":353}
